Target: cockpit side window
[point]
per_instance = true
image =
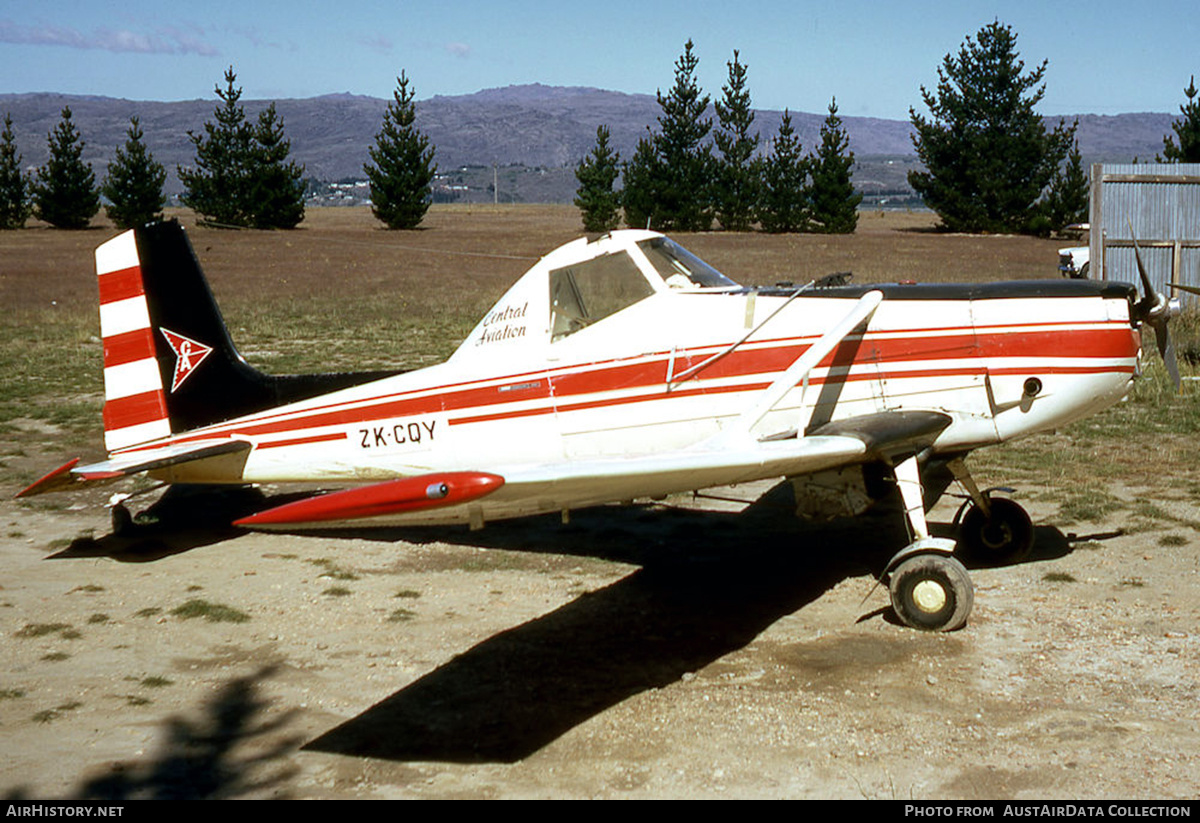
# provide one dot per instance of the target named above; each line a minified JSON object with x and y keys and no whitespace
{"x":586,"y":292}
{"x":679,"y":268}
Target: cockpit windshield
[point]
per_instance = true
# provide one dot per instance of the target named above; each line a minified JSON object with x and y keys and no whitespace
{"x":592,"y":290}
{"x":681,"y":269}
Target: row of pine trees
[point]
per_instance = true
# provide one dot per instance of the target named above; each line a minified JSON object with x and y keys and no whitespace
{"x":242,"y":176}
{"x":64,"y":193}
{"x":687,"y":175}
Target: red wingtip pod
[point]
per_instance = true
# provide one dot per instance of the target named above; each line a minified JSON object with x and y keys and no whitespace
{"x":427,"y":491}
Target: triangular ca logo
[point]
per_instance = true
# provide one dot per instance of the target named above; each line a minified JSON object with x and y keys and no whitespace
{"x":188,"y":355}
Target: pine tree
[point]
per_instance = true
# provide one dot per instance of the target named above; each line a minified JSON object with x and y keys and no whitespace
{"x":218,"y":188}
{"x":134,"y":183}
{"x":276,"y":192}
{"x":831,"y":192}
{"x":1069,"y":197}
{"x":736,"y":190}
{"x":243,"y":176}
{"x":15,"y":204}
{"x":599,"y":205}
{"x":668,"y":180}
{"x":64,"y":191}
{"x":1187,"y":130}
{"x":987,"y":154}
{"x":641,"y":182}
{"x":402,"y":167}
{"x":783,"y":202}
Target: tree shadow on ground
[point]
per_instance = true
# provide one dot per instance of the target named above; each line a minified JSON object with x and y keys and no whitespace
{"x":229,"y":752}
{"x":210,"y":758}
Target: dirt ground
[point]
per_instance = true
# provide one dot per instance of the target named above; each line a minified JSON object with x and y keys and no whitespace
{"x":685,"y":649}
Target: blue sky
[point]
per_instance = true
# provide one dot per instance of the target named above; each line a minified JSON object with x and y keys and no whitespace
{"x":1105,"y":57}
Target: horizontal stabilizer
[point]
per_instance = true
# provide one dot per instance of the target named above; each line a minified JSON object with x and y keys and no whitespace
{"x":57,"y":480}
{"x":409,"y":494}
{"x":125,"y":465}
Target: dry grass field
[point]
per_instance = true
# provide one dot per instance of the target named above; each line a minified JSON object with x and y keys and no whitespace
{"x":681,"y":649}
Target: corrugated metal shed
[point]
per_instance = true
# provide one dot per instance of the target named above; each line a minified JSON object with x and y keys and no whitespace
{"x":1161,"y":203}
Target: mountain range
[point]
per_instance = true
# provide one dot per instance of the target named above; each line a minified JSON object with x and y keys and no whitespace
{"x":537,"y":126}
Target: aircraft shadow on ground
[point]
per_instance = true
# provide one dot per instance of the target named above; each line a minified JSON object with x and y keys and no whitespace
{"x":723,"y":580}
{"x":521,"y":689}
{"x":183,"y":518}
{"x":709,"y":583}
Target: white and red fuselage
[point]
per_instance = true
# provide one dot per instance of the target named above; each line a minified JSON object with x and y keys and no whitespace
{"x":659,"y":367}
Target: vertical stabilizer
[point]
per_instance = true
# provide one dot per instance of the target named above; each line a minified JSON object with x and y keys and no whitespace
{"x":169,"y":363}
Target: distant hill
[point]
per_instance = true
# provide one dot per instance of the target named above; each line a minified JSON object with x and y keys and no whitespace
{"x":537,"y":126}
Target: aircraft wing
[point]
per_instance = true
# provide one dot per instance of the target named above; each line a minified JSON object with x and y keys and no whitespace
{"x":698,"y":468}
{"x":719,"y":463}
{"x":71,"y":473}
{"x":528,"y":489}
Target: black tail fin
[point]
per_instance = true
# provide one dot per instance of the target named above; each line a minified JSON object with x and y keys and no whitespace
{"x":169,"y":362}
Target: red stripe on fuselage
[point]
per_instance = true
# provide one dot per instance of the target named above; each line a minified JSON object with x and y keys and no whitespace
{"x":611,"y":401}
{"x":819,"y":381}
{"x":120,"y":285}
{"x":301,"y":441}
{"x":1108,"y":340}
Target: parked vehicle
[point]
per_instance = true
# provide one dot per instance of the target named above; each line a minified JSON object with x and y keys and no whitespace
{"x":1074,"y":261}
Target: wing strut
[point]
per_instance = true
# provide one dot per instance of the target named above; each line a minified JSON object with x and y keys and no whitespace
{"x":805,"y":363}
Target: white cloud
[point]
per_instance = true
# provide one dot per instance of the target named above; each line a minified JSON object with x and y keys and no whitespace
{"x":378,"y":43}
{"x":459,"y":49}
{"x":167,"y":40}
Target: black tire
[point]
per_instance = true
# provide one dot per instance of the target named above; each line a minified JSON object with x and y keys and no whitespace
{"x":1004,"y":538}
{"x":931,"y":592}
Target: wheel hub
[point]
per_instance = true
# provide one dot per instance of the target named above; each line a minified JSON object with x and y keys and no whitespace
{"x":929,"y":596}
{"x":997,"y":535}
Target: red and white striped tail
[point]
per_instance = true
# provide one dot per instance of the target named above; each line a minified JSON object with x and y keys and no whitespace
{"x":135,"y":406}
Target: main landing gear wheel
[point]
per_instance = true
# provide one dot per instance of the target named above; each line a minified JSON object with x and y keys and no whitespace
{"x":931,"y":592}
{"x":1005,"y":537}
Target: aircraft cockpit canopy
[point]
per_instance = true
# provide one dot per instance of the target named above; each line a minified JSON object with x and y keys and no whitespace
{"x":586,"y":281}
{"x":590,"y":290}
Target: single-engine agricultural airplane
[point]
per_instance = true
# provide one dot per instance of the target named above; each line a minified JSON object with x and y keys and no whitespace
{"x":624,"y":368}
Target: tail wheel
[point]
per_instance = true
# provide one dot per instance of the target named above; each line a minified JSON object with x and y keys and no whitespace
{"x":1004,"y":537}
{"x":932,"y":592}
{"x":122,"y":520}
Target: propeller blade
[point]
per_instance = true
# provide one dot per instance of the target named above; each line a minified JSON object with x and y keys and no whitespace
{"x":1166,"y":347}
{"x":1156,"y":310}
{"x":1147,"y":286}
{"x":1151,"y":300}
{"x":1182,"y":287}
